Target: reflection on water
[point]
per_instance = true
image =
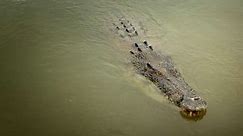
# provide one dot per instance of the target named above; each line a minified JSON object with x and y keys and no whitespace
{"x":64,"y":73}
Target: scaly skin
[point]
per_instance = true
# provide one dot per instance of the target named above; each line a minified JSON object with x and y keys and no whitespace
{"x":160,"y":70}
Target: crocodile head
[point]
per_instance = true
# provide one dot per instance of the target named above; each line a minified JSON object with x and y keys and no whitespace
{"x":193,"y":106}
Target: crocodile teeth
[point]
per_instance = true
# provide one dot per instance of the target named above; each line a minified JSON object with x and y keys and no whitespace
{"x":190,"y":113}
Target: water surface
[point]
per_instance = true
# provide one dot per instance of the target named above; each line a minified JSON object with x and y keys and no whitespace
{"x":63,"y":72}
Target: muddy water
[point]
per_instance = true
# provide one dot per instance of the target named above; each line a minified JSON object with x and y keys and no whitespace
{"x":63,"y":72}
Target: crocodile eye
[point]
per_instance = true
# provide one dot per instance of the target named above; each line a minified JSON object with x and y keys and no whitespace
{"x":149,"y":66}
{"x":196,"y":98}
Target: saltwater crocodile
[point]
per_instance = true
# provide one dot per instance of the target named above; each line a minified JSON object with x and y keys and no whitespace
{"x":160,"y":69}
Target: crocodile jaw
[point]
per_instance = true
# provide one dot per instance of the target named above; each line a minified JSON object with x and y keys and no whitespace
{"x":193,"y":106}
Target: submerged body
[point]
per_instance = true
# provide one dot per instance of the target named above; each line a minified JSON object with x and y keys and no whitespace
{"x":160,"y":70}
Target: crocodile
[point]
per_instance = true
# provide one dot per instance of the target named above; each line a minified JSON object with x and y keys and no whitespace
{"x":161,"y":71}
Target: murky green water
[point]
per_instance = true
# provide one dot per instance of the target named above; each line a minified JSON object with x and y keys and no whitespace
{"x":62,"y":72}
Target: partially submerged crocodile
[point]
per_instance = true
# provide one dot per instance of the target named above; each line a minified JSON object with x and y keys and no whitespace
{"x":160,"y":70}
